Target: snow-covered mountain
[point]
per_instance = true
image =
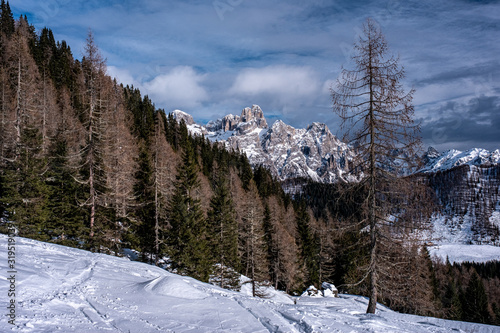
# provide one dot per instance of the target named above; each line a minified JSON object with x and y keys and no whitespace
{"x":312,"y":153}
{"x":435,"y":162}
{"x":61,"y":289}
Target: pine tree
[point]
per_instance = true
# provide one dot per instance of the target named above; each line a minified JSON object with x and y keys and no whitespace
{"x":451,"y":301}
{"x":145,"y":212}
{"x":221,"y":222}
{"x":308,"y":245}
{"x":272,"y":246}
{"x":25,"y":194}
{"x":66,"y":218}
{"x":187,"y":238}
{"x":6,"y":20}
{"x":475,"y":302}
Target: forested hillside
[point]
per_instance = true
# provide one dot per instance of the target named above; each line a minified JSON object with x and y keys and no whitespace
{"x":89,"y":163}
{"x":93,"y":164}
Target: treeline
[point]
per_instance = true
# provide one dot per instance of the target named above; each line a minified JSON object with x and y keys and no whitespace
{"x":89,"y":163}
{"x":468,"y":291}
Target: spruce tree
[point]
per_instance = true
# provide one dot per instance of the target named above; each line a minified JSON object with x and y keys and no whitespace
{"x":25,"y":194}
{"x":6,"y":20}
{"x":187,"y":238}
{"x":272,"y":246}
{"x":66,"y":217}
{"x":475,"y":302}
{"x":308,"y":245}
{"x":144,"y":192}
{"x":223,"y":227}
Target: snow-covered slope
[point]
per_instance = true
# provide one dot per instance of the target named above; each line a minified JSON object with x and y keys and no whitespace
{"x":457,"y":253}
{"x":60,"y":289}
{"x":454,"y":158}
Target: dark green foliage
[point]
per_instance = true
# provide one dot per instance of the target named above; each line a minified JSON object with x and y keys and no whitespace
{"x":223,"y":229}
{"x":143,"y":111}
{"x":6,"y":20}
{"x":25,"y":194}
{"x":468,"y":291}
{"x":451,"y":301}
{"x":245,"y":171}
{"x":486,"y":270}
{"x":187,"y":238}
{"x":475,"y":306}
{"x":308,"y":245}
{"x":272,"y":247}
{"x":66,"y":218}
{"x":145,"y":211}
{"x":266,"y":184}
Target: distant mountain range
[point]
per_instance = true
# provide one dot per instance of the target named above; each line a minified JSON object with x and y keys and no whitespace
{"x":466,"y":184}
{"x":311,"y":153}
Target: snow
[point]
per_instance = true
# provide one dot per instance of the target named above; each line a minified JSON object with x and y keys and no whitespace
{"x":458,"y":229}
{"x":457,"y":253}
{"x":60,"y":289}
{"x":453,"y":158}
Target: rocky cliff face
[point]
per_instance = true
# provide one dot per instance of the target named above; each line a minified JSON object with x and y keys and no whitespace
{"x":467,"y":188}
{"x":469,"y":198}
{"x":312,"y":153}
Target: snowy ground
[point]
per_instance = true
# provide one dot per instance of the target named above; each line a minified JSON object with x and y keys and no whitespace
{"x":61,"y":289}
{"x":460,"y":252}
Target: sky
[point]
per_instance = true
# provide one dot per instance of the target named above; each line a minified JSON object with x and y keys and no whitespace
{"x":214,"y":57}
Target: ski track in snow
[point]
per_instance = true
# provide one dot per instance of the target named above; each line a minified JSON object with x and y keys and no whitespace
{"x":61,"y":289}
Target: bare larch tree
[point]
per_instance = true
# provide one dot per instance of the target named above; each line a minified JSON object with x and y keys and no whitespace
{"x":377,"y":117}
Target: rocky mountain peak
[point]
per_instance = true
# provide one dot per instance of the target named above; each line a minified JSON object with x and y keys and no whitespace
{"x":250,"y":119}
{"x":181,"y":115}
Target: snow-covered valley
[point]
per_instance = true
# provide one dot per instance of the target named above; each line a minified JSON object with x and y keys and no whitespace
{"x":61,"y":289}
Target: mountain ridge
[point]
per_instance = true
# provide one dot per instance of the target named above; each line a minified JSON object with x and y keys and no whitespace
{"x":312,"y":152}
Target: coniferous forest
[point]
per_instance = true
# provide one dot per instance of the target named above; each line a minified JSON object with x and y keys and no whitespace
{"x":89,"y":163}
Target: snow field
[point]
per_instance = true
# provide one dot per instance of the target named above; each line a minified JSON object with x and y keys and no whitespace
{"x":60,"y":289}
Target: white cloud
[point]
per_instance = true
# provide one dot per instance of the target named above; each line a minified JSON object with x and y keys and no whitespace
{"x":283,"y":82}
{"x":122,"y":76}
{"x":179,"y":88}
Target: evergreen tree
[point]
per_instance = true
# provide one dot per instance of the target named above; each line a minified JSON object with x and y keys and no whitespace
{"x":66,"y":218}
{"x":25,"y":194}
{"x":187,"y":238}
{"x":272,"y":246}
{"x":245,"y":171}
{"x":145,"y":213}
{"x":221,"y":222}
{"x":475,"y":302}
{"x":308,"y":245}
{"x":7,"y":26}
{"x":451,"y":301}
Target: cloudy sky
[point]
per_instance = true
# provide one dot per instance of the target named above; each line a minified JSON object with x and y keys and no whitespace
{"x":214,"y":57}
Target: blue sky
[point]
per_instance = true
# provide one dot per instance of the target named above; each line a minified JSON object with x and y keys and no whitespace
{"x":214,"y":57}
